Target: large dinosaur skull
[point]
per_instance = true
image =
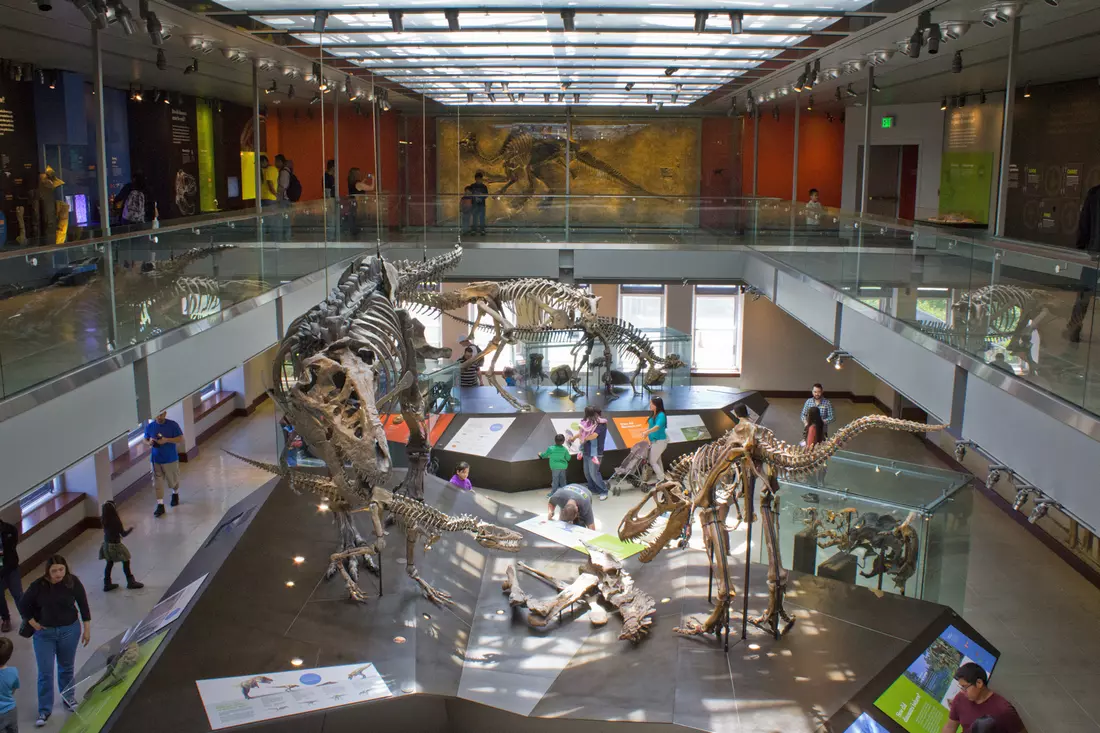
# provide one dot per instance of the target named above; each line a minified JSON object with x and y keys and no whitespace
{"x":497,"y":538}
{"x":332,"y":406}
{"x":640,"y":520}
{"x":468,"y":142}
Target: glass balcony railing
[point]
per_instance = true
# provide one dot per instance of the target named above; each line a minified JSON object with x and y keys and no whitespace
{"x":1025,"y":309}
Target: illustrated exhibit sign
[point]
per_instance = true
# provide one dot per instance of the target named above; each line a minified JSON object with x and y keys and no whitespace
{"x":684,"y":428}
{"x":232,"y":701}
{"x":479,"y":435}
{"x":98,"y":701}
{"x":574,"y":536}
{"x":919,"y":700}
{"x":164,"y":613}
{"x":398,"y":431}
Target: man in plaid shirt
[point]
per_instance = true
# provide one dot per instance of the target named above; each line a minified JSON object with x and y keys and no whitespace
{"x":822,"y":404}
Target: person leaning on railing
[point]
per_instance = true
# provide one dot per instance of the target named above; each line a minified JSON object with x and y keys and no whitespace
{"x":1088,"y":239}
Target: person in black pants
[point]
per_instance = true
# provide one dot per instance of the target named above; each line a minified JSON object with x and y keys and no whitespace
{"x":50,"y":606}
{"x":9,"y":573}
{"x":113,"y":550}
{"x":478,"y":192}
{"x":1088,"y":239}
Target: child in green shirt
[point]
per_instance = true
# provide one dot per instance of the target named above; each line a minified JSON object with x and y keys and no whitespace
{"x":559,"y":462}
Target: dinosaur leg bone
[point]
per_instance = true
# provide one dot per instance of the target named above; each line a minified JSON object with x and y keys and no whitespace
{"x":436,"y":596}
{"x":777,"y":575}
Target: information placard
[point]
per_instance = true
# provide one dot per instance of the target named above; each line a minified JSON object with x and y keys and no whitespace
{"x":231,"y":701}
{"x":632,"y":429}
{"x":683,"y":428}
{"x":478,"y":436}
{"x":164,"y":613}
{"x":573,"y":536}
{"x":919,"y":700}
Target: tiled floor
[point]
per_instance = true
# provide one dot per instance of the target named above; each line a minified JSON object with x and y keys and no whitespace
{"x":1041,"y":614}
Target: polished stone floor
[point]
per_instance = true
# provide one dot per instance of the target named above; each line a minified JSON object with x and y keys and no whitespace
{"x":1040,"y":613}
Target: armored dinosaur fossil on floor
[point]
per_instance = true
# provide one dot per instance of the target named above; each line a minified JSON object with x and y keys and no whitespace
{"x":601,"y":577}
{"x":342,"y":353}
{"x":708,"y":478}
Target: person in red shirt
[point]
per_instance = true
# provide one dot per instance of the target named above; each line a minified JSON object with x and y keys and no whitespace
{"x":976,"y":700}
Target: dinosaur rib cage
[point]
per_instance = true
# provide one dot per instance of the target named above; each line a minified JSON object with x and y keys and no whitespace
{"x":1005,"y":306}
{"x":410,"y":512}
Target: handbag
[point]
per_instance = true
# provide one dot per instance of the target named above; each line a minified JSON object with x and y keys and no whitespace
{"x":26,"y":630}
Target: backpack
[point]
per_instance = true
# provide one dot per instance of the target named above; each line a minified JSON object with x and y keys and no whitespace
{"x":133,"y":210}
{"x":294,"y":188}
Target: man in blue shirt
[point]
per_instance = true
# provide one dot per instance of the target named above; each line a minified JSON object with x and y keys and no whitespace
{"x":821,"y":402}
{"x":164,"y":438}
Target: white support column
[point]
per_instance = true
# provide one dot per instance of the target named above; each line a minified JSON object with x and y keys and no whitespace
{"x":1006,"y":126}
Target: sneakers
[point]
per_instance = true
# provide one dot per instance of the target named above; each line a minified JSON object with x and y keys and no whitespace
{"x":159,"y":511}
{"x":175,"y":499}
{"x":603,"y":497}
{"x":134,"y":585}
{"x":69,"y":704}
{"x":5,"y":626}
{"x":41,"y":722}
{"x":108,"y":587}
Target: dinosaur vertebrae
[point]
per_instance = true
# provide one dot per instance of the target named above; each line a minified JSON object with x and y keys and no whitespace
{"x":1004,"y":306}
{"x":795,"y":460}
{"x":425,"y":274}
{"x":549,"y":294}
{"x":410,"y":511}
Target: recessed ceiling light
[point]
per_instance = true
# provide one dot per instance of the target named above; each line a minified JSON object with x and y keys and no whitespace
{"x":297,"y":662}
{"x":298,"y":559}
{"x":290,"y":584}
{"x":399,"y":640}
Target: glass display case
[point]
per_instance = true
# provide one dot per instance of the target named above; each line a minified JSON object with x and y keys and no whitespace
{"x":890,"y":525}
{"x":541,"y":363}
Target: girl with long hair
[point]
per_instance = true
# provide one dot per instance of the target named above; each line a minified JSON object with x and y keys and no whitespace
{"x":113,"y":550}
{"x":593,"y":433}
{"x":658,"y":438}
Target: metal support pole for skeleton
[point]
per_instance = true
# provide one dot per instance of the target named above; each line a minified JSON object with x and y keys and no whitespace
{"x":101,"y":185}
{"x":568,"y":159}
{"x":1006,"y":126}
{"x":256,"y":143}
{"x":863,"y":195}
{"x":755,"y":147}
{"x":336,"y":161}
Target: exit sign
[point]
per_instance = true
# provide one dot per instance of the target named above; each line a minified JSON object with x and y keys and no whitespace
{"x":887,"y":122}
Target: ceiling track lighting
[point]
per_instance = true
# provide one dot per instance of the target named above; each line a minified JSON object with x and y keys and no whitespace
{"x":671,"y":70}
{"x":452,"y":20}
{"x":162,"y":60}
{"x":798,"y":85}
{"x":737,"y":22}
{"x":953,"y":30}
{"x":488,"y":87}
{"x":546,"y":97}
{"x":265,"y":64}
{"x":565,"y":85}
{"x":87,"y":9}
{"x":272,"y":88}
{"x":235,"y":55}
{"x":912,"y":48}
{"x":292,"y":72}
{"x":962,"y":101}
{"x":629,"y":85}
{"x":850,"y":92}
{"x":469,"y":97}
{"x":836,"y":358}
{"x":838,"y":94}
{"x":649,"y":99}
{"x":192,"y":68}
{"x":981,"y":96}
{"x":521,"y":95}
{"x":933,"y":41}
{"x":943,"y":105}
{"x":347,"y":87}
{"x":124,"y":16}
{"x":290,"y":92}
{"x":316,"y":99}
{"x":511,"y":98}
{"x":155,"y":29}
{"x":569,"y":20}
{"x":561,"y":97}
{"x":320,"y":19}
{"x":397,"y":21}
{"x":136,"y":95}
{"x":659,"y":105}
{"x":700,"y":20}
{"x":880,"y":56}
{"x":810,"y":104}
{"x":492,"y":97}
{"x":576,"y":98}
{"x":1027,"y":90}
{"x":957,"y":63}
{"x":200,"y":44}
{"x":1000,"y":13}
{"x":504,"y":85}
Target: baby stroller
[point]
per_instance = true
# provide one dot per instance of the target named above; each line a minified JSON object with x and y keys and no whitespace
{"x":634,"y":472}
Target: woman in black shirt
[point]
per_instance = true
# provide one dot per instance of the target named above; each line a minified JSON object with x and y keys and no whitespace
{"x":50,"y":605}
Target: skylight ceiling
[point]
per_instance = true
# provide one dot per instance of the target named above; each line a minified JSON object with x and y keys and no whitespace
{"x":501,"y":53}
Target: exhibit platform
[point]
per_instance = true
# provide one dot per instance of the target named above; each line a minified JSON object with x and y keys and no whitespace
{"x":502,"y":444}
{"x":477,"y":666}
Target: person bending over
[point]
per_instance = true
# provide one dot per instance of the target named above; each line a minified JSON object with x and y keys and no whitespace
{"x":575,"y":503}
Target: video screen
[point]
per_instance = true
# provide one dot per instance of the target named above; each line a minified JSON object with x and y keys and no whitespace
{"x":865,"y":724}
{"x":919,"y":700}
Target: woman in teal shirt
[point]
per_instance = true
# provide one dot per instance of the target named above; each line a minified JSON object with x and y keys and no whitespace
{"x":658,"y":438}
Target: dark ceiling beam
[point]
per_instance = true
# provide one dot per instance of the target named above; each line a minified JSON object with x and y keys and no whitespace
{"x":545,"y":31}
{"x":680,"y":62}
{"x":298,"y":45}
{"x":717,"y":16}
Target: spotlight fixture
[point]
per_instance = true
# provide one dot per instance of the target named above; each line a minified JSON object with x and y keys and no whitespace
{"x":569,"y":20}
{"x":1021,"y":499}
{"x":265,"y":64}
{"x":798,"y":85}
{"x":564,"y":85}
{"x":649,"y":99}
{"x":155,"y":30}
{"x":316,"y":99}
{"x":290,"y":92}
{"x":236,"y":55}
{"x":675,"y":97}
{"x":162,"y":60}
{"x":836,"y":358}
{"x":961,"y":102}
{"x":397,"y":21}
{"x":87,"y":9}
{"x":943,"y":105}
{"x":701,"y":20}
{"x":1041,"y":508}
{"x":659,"y":105}
{"x":347,"y":87}
{"x":576,"y":98}
{"x":452,"y":20}
{"x":271,"y":88}
{"x":953,"y":30}
{"x":671,"y":70}
{"x":292,"y":72}
{"x":838,"y":95}
{"x":320,"y":18}
{"x":880,"y":56}
{"x":680,"y":87}
{"x":1027,"y":90}
{"x":193,"y":67}
{"x":981,"y":96}
{"x":511,"y":98}
{"x":546,"y":98}
{"x":874,"y":87}
{"x":488,"y":87}
{"x":122,"y":14}
{"x":492,"y":97}
{"x":855,"y":66}
{"x":957,"y":63}
{"x":737,"y":22}
{"x":810,"y":104}
{"x":850,"y":92}
{"x":1052,"y":3}
{"x":817,"y":73}
{"x":829,"y":117}
{"x":830,"y":73}
{"x":156,"y":96}
{"x":521,"y":95}
{"x":561,"y":97}
{"x":775,"y":113}
{"x":933,"y":39}
{"x":912,"y":48}
{"x":1000,"y":12}
{"x":198,"y":43}
{"x":167,"y":98}
{"x":629,"y":85}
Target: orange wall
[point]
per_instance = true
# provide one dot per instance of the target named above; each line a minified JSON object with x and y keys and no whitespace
{"x":298,"y":137}
{"x":820,"y":156}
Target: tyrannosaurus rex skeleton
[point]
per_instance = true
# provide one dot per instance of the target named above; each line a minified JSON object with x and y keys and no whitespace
{"x":704,"y":480}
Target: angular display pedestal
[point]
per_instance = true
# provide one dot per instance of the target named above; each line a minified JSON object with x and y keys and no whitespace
{"x":841,"y":566}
